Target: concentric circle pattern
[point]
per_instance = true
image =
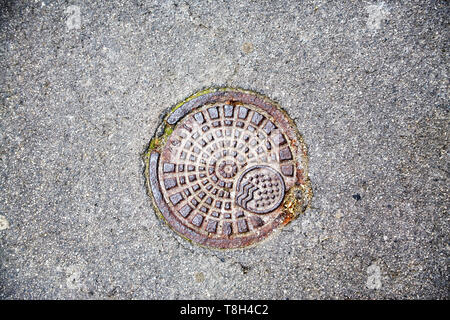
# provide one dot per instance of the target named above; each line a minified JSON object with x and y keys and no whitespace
{"x":222,"y":175}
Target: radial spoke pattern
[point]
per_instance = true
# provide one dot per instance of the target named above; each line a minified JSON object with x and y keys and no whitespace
{"x":222,"y":176}
{"x":208,"y":150}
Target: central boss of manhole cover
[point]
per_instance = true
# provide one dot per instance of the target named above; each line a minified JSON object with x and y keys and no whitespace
{"x":226,"y":168}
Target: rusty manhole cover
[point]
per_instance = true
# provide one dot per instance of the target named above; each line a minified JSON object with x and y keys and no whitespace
{"x":227,"y":168}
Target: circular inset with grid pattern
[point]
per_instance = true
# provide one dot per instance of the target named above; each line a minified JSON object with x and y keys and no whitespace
{"x":221,"y":173}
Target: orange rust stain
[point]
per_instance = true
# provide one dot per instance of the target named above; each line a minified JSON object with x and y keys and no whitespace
{"x":234,"y":103}
{"x":289,"y":209}
{"x":288,"y":218}
{"x":294,"y":142}
{"x":300,"y":177}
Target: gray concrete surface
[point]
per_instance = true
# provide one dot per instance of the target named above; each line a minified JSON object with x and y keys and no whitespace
{"x":367,"y":83}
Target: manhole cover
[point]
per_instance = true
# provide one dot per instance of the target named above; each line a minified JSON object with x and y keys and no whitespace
{"x":227,"y":168}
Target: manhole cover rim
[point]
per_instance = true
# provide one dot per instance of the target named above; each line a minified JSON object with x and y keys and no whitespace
{"x":239,"y":97}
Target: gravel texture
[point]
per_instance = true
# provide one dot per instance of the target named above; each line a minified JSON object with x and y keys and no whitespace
{"x":366,"y":82}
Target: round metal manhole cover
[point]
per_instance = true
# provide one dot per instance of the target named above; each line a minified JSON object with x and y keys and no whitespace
{"x":227,"y":168}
